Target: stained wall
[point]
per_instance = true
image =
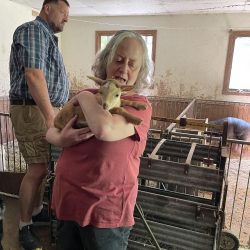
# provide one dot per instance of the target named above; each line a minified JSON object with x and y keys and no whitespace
{"x":11,"y":16}
{"x":190,"y":52}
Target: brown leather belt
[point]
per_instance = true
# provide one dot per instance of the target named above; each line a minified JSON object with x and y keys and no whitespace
{"x":22,"y":102}
{"x":27,"y":102}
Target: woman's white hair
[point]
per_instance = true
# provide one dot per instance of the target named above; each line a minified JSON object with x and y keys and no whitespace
{"x":105,"y":56}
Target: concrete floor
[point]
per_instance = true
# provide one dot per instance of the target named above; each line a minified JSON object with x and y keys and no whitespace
{"x":10,"y":227}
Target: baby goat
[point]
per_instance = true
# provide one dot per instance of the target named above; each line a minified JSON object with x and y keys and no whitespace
{"x":110,"y":92}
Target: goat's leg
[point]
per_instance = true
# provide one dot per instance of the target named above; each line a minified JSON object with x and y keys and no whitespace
{"x":81,"y":120}
{"x":66,"y":113}
{"x":134,"y":104}
{"x":129,"y":117}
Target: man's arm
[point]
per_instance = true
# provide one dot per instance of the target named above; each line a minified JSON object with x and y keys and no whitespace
{"x":39,"y":91}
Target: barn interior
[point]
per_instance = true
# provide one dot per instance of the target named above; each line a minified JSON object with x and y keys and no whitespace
{"x":192,"y":44}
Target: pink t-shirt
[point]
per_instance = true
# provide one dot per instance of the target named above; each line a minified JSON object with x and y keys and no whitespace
{"x":96,"y":181}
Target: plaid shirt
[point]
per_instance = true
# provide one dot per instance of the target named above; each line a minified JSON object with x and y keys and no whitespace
{"x":35,"y":46}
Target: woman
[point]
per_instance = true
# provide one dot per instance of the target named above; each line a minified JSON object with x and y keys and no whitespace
{"x":95,"y":188}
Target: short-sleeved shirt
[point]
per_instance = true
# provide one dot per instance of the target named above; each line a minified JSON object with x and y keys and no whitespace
{"x":96,"y":181}
{"x":35,"y":46}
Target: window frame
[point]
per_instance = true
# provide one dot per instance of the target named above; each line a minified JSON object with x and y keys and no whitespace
{"x":100,"y":33}
{"x":233,"y":35}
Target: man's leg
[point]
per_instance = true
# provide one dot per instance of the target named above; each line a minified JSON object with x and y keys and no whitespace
{"x":30,"y":190}
{"x":39,"y":200}
{"x":40,"y":214}
{"x":28,"y":193}
{"x":30,"y":129}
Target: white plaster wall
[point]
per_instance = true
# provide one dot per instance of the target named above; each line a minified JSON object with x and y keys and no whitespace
{"x":190,"y":53}
{"x":11,"y":16}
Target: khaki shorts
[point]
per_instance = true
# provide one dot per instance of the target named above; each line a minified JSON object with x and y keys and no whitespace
{"x":30,"y":130}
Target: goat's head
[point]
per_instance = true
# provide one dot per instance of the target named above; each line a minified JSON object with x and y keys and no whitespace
{"x":110,"y":92}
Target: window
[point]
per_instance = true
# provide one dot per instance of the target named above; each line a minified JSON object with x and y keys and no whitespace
{"x":237,"y":71}
{"x":102,"y":38}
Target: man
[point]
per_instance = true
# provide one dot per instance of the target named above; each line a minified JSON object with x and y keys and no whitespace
{"x":38,"y":86}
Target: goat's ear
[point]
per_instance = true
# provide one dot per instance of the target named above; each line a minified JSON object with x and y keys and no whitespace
{"x":97,"y":80}
{"x":126,"y":87}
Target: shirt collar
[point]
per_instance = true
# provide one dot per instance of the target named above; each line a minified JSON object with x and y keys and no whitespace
{"x":45,"y":24}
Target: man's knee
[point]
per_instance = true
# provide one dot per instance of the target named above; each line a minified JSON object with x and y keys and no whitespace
{"x":37,"y":170}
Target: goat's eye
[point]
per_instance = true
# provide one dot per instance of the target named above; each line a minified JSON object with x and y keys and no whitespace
{"x":117,"y":95}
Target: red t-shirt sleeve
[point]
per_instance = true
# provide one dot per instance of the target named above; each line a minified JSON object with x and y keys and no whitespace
{"x":141,"y":130}
{"x":144,"y":115}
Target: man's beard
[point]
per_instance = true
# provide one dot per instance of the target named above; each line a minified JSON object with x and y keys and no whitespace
{"x":56,"y":28}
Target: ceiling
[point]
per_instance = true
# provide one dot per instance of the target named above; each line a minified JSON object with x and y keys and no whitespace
{"x":147,"y":7}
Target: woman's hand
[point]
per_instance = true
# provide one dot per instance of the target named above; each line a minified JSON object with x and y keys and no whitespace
{"x":68,"y":136}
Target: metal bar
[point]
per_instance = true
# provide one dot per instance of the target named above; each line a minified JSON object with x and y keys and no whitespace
{"x":135,"y":245}
{"x":152,"y":155}
{"x":172,"y":237}
{"x":139,"y":210}
{"x":203,"y":178}
{"x":4,"y":114}
{"x":190,"y":154}
{"x":244,"y":204}
{"x":198,"y":200}
{"x":238,"y":141}
{"x":178,"y":212}
{"x":186,"y":121}
{"x":195,"y":136}
{"x":185,"y":111}
{"x":236,"y":187}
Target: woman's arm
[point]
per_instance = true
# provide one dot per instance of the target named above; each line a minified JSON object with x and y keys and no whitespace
{"x":68,"y":136}
{"x":104,"y":126}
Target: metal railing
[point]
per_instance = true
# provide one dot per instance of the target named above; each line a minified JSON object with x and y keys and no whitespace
{"x":11,"y":159}
{"x":238,"y":200}
{"x":237,"y":168}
